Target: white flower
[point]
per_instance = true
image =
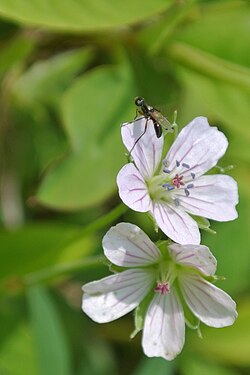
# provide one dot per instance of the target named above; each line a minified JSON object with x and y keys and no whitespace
{"x":174,"y":188}
{"x":183,"y":268}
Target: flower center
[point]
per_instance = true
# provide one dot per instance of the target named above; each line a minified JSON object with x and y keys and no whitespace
{"x":165,"y":185}
{"x":162,"y":288}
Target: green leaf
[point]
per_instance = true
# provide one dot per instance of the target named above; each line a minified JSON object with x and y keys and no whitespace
{"x":211,"y":32}
{"x":230,"y":345}
{"x":17,"y":356}
{"x":35,"y":247}
{"x":204,"y":224}
{"x":196,"y":366}
{"x":15,"y":52}
{"x":81,"y":15}
{"x":140,"y":314}
{"x":49,"y":339}
{"x":230,"y":247}
{"x":93,"y":110}
{"x":159,"y":366}
{"x":45,"y":81}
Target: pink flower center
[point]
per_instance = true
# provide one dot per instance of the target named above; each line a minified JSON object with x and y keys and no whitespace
{"x":162,"y":288}
{"x":177,"y":181}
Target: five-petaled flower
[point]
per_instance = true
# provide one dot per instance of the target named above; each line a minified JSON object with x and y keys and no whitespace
{"x":174,"y":273}
{"x":172,"y":188}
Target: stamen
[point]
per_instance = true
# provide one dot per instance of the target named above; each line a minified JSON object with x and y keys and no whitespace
{"x":162,"y":288}
{"x":177,"y":163}
{"x":177,"y":202}
{"x":187,"y":192}
{"x":167,"y":184}
{"x":165,"y":162}
{"x":165,"y":170}
{"x":193,"y":175}
{"x":170,"y":188}
{"x":185,"y":165}
{"x":190,"y":186}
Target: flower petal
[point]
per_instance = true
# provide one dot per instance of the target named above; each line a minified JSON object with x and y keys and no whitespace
{"x":148,"y":150}
{"x":199,"y":146}
{"x":197,"y":256}
{"x":114,"y":296}
{"x":128,"y":246}
{"x":164,"y":327}
{"x":133,"y":190}
{"x":213,"y":196}
{"x":176,"y":223}
{"x":210,"y":304}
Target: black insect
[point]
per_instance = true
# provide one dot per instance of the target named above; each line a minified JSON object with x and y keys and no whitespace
{"x":150,"y":113}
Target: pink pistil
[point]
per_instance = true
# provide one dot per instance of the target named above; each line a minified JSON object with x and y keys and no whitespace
{"x":177,"y":181}
{"x":162,"y":288}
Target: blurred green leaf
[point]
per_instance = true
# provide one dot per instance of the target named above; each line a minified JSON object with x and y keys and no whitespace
{"x":93,"y":110}
{"x":230,"y":247}
{"x":210,"y":65}
{"x":230,"y":345}
{"x":81,"y":15}
{"x":159,"y":366}
{"x":196,"y":366}
{"x":219,"y":28}
{"x":50,"y":343}
{"x":17,"y":356}
{"x":45,"y":81}
{"x":16,"y":51}
{"x":222,"y":103}
{"x":38,"y":246}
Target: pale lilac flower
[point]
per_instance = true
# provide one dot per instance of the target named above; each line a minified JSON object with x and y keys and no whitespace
{"x":165,"y":273}
{"x":172,"y":188}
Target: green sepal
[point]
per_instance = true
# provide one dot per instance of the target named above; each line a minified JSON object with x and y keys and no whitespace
{"x":140,"y":313}
{"x":204,"y":224}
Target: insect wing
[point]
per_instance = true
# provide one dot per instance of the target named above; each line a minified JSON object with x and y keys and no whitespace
{"x":162,"y":121}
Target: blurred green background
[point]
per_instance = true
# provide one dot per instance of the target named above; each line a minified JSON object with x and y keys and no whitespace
{"x":69,"y":72}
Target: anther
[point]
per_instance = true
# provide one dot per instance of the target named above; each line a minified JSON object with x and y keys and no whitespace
{"x":177,"y":163}
{"x":190,"y":186}
{"x":185,"y":165}
{"x":165,"y":170}
{"x":177,"y":202}
{"x":193,"y":175}
{"x":186,"y":192}
{"x":167,"y":184}
{"x":170,"y":188}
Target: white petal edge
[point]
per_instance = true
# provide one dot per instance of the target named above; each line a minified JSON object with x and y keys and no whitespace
{"x":132,"y":188}
{"x":127,"y":245}
{"x":198,"y":145}
{"x":148,"y":150}
{"x":210,"y":304}
{"x":114,"y":296}
{"x":164,"y":327}
{"x":176,"y":223}
{"x":197,"y":256}
{"x":213,"y":197}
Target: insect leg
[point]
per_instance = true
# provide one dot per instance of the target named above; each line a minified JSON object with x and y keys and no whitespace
{"x":144,"y":131}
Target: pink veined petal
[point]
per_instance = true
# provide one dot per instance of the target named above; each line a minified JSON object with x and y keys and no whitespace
{"x":128,"y":246}
{"x":133,"y":190}
{"x":199,"y":146}
{"x":210,"y":304}
{"x":148,"y":150}
{"x":176,"y":223}
{"x":213,"y":196}
{"x":164,"y":327}
{"x":114,"y":296}
{"x":197,"y":256}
